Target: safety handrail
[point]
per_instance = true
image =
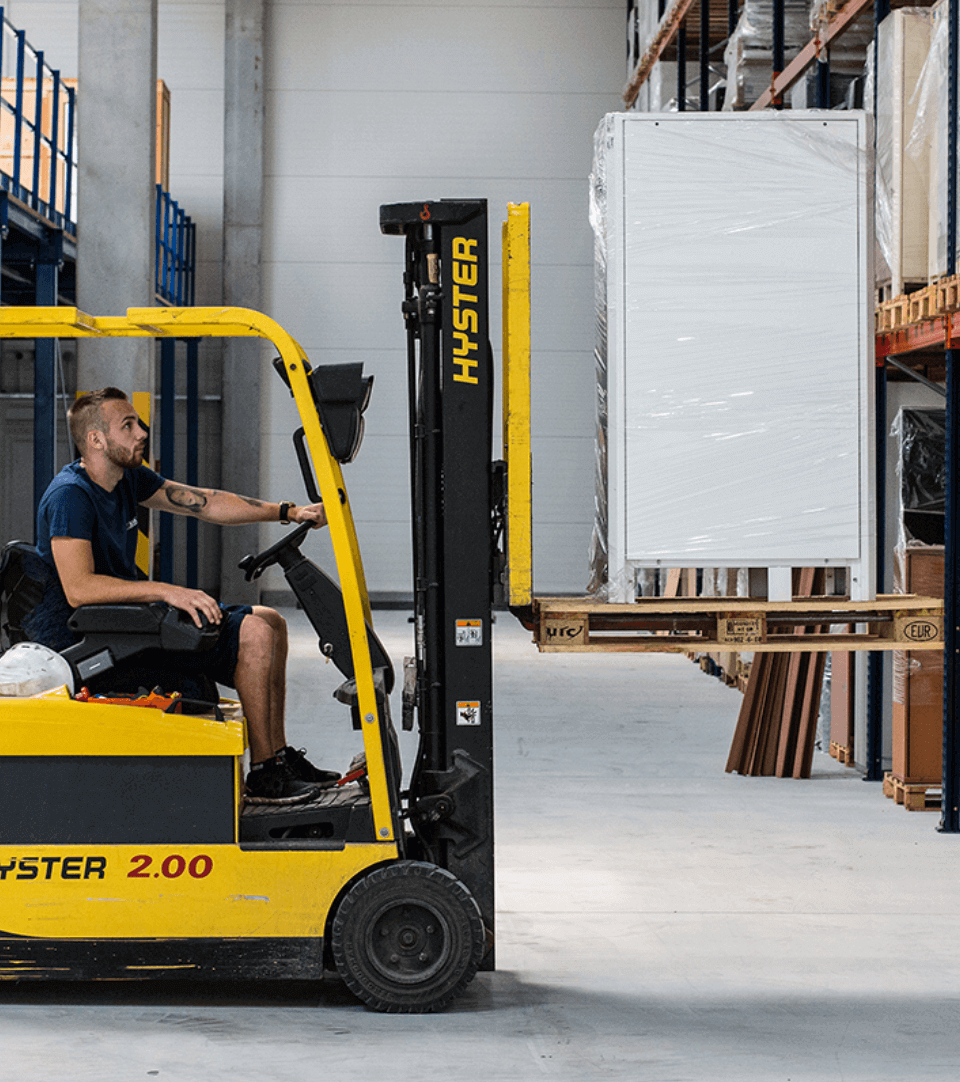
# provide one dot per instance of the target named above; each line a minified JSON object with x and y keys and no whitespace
{"x":37,"y":130}
{"x":176,"y":252}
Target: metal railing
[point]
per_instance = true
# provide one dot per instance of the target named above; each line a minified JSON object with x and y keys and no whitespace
{"x":176,"y":252}
{"x":38,"y":160}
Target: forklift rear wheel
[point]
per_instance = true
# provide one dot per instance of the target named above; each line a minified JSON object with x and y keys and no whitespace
{"x":407,"y":938}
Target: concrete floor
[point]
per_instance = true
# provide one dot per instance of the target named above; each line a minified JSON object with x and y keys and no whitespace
{"x":658,"y":919}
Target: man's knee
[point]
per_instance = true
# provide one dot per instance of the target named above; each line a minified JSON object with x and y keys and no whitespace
{"x":273,"y":619}
{"x":258,"y":640}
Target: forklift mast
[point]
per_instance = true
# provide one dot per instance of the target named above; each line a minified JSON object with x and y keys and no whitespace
{"x":455,"y":519}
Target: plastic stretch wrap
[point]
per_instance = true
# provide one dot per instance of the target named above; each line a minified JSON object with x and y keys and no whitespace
{"x":734,"y":381}
{"x":599,"y":563}
{"x":905,"y":665}
{"x":921,"y":471}
{"x":856,"y":38}
{"x":918,"y":566}
{"x":749,"y":51}
{"x":903,"y":150}
{"x":928,"y":136}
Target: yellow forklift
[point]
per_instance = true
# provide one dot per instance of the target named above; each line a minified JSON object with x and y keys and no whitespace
{"x":127,"y":851}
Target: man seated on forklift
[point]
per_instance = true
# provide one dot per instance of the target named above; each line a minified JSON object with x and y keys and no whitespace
{"x":87,"y":533}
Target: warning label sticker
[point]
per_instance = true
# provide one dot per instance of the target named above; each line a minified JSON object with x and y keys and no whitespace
{"x":468,"y":713}
{"x":469,"y":633}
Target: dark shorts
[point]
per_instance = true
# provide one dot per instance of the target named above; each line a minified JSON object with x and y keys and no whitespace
{"x":186,"y":672}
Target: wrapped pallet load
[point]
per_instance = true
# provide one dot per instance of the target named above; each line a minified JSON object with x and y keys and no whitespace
{"x":903,"y":149}
{"x":928,"y":137}
{"x":918,"y":675}
{"x":734,"y":368}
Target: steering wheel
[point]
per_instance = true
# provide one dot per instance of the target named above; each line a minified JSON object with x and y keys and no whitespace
{"x":254,"y":566}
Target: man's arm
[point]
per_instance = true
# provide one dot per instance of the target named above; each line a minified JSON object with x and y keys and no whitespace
{"x":83,"y":586}
{"x":227,"y":508}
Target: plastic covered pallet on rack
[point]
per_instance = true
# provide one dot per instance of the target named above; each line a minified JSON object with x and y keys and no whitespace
{"x":734,"y":361}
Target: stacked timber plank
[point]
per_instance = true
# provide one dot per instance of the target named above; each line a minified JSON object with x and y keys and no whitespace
{"x":777,"y":726}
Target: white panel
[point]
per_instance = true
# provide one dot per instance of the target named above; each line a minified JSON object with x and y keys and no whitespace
{"x":196,"y":148}
{"x":427,"y":7}
{"x":562,"y":482}
{"x":740,"y":381}
{"x":317,"y":303}
{"x":307,"y":222}
{"x":531,"y":48}
{"x":50,"y":25}
{"x":560,"y":381}
{"x":316,"y":133}
{"x":371,"y":103}
{"x":190,"y":39}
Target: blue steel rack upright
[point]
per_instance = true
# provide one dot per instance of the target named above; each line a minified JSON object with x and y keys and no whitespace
{"x":175,"y":274}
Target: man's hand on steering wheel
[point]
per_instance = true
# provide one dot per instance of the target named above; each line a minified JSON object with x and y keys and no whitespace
{"x":313,"y":513}
{"x":193,"y":602}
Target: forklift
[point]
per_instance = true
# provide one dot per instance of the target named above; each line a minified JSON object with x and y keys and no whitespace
{"x":127,"y":851}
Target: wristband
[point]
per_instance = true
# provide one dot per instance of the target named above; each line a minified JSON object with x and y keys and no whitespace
{"x":285,"y":512}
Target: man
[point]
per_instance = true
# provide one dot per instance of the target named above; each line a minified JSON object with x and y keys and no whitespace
{"x":87,"y":533}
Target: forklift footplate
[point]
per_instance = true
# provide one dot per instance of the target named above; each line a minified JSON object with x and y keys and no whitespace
{"x":332,"y":818}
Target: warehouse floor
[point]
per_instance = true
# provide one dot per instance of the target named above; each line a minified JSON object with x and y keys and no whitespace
{"x":658,"y":919}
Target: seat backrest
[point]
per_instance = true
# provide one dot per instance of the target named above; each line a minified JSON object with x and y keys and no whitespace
{"x":24,"y":579}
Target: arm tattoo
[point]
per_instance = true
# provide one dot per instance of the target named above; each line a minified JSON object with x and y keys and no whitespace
{"x":191,"y":500}
{"x":251,"y":501}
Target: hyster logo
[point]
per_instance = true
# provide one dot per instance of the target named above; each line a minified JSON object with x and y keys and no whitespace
{"x":69,"y":867}
{"x":465,"y":319}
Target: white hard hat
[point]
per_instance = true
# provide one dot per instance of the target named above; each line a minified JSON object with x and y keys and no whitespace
{"x":30,"y":669}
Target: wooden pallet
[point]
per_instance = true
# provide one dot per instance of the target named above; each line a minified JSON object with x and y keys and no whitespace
{"x":841,"y":753}
{"x":940,"y":298}
{"x":893,"y":314}
{"x":914,"y":796}
{"x":923,"y":304}
{"x":703,"y":625}
{"x":948,"y":294}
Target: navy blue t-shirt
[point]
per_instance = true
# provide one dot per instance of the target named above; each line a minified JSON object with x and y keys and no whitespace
{"x":74,"y":506}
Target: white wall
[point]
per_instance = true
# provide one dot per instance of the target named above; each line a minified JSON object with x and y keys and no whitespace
{"x":371,"y":103}
{"x":381,"y":102}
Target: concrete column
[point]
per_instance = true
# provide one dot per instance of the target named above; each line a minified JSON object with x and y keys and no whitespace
{"x":242,"y":231}
{"x":116,"y":198}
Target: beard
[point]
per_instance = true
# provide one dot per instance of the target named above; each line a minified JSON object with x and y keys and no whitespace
{"x":126,"y":460}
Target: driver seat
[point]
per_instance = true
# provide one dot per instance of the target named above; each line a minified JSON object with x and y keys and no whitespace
{"x":111,"y":635}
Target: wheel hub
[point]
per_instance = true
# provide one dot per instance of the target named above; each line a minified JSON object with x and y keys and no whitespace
{"x":408,"y":943}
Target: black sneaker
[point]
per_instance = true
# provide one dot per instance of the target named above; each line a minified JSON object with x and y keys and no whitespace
{"x":303,"y":769}
{"x":275,"y":783}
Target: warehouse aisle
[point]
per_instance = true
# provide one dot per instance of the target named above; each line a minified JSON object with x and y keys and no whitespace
{"x":659,"y":920}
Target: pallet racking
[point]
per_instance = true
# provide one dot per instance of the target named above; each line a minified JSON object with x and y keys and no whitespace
{"x":917,"y":336}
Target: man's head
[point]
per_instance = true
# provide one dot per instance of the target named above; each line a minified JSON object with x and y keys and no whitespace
{"x":104,"y":422}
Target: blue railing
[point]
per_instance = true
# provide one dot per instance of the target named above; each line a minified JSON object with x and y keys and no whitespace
{"x":176,"y":251}
{"x":38,"y":161}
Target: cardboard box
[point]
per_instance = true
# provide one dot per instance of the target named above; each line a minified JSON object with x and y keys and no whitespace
{"x":918,"y":684}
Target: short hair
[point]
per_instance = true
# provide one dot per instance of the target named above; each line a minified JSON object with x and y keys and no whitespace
{"x":86,"y":413}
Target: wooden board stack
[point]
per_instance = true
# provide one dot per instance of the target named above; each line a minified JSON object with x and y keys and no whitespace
{"x":777,"y":726}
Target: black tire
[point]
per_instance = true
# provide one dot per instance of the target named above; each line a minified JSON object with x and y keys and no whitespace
{"x":407,"y":938}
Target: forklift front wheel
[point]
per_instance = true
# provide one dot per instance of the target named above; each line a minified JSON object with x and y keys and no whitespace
{"x":407,"y":938}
